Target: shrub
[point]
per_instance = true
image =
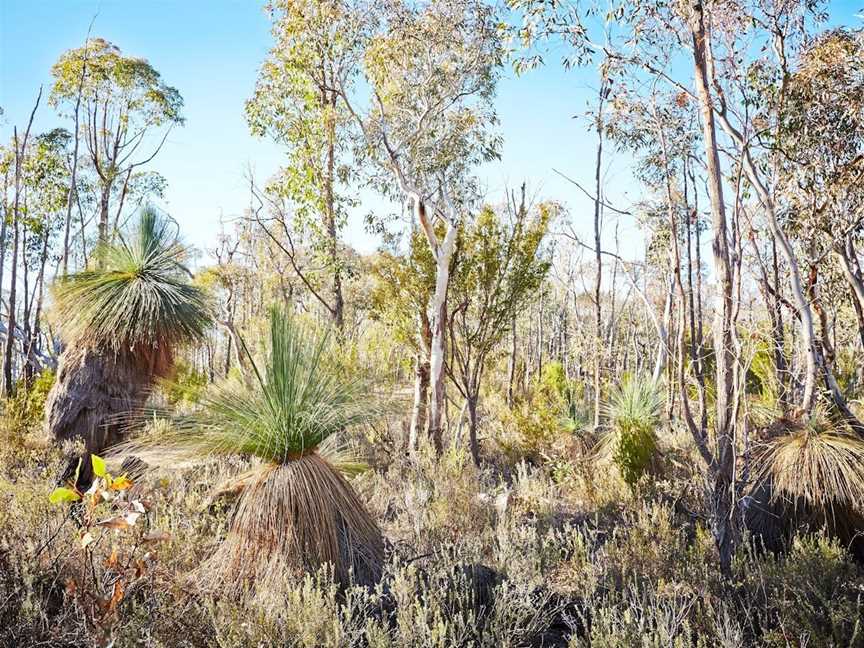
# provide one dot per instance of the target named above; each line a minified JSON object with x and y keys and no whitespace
{"x":634,"y":413}
{"x":25,"y":410}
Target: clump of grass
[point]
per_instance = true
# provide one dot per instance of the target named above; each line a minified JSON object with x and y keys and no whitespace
{"x":633,"y":411}
{"x":815,"y":461}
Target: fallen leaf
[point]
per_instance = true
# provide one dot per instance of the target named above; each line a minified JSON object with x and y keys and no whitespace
{"x":117,"y":522}
{"x":117,"y":596}
{"x":121,"y":483}
{"x":157,"y":536}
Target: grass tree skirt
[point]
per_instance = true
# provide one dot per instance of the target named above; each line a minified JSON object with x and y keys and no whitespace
{"x":293,"y":519}
{"x":810,"y":478}
{"x":91,"y":393}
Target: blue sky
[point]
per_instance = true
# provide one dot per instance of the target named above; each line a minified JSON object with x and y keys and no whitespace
{"x":210,"y":51}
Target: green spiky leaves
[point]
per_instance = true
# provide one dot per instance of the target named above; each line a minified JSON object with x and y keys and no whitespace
{"x":634,"y":414}
{"x":295,"y":400}
{"x":138,"y":295}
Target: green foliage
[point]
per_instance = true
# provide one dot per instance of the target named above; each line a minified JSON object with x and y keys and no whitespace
{"x":138,"y":295}
{"x":185,"y":386}
{"x":548,"y":416}
{"x":293,"y":403}
{"x":46,"y":174}
{"x":816,"y":594}
{"x":62,"y":495}
{"x":634,"y":411}
{"x":403,"y":287}
{"x":499,"y":269}
{"x":298,"y":103}
{"x":433,"y":70}
{"x":104,"y":489}
{"x":762,"y":375}
{"x":137,"y":89}
{"x":25,"y":411}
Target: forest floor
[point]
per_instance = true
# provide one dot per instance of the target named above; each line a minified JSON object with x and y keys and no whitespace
{"x":515,"y":553}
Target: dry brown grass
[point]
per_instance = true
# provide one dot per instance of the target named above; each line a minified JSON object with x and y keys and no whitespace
{"x":815,"y":462}
{"x":293,"y":519}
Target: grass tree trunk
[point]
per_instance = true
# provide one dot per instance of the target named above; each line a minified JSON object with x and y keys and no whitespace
{"x":121,"y":325}
{"x":292,"y":519}
{"x":92,"y":391}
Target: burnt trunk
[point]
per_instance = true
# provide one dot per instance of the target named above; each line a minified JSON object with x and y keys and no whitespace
{"x":421,"y":396}
{"x":93,"y":395}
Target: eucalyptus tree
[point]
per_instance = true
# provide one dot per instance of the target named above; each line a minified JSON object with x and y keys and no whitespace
{"x":46,"y":178}
{"x":820,"y":174}
{"x":19,"y":154}
{"x":426,"y":121}
{"x":128,"y":111}
{"x":704,"y":49}
{"x":647,"y":37}
{"x":297,"y":102}
{"x":404,"y":284}
{"x":661,"y":129}
{"x":500,"y":265}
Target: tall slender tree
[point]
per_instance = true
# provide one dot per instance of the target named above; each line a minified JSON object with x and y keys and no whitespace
{"x":431,"y":71}
{"x":297,"y":102}
{"x":128,"y":113}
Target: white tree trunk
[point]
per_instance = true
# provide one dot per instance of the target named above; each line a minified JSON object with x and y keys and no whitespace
{"x":438,"y":320}
{"x":663,"y":334}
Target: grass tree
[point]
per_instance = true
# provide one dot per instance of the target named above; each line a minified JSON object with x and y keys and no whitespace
{"x":296,"y":512}
{"x":809,"y":475}
{"x":633,"y":410}
{"x":122,"y":321}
